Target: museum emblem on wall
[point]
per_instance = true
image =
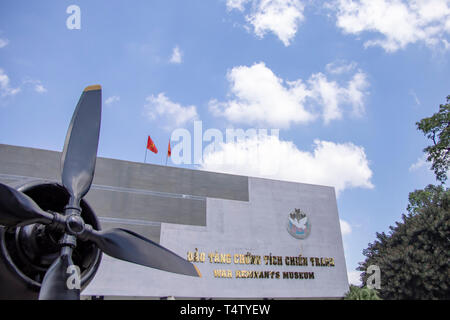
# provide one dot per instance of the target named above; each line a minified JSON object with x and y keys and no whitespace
{"x":299,"y":225}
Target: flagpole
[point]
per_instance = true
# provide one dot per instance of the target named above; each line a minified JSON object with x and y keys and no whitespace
{"x":146,"y":148}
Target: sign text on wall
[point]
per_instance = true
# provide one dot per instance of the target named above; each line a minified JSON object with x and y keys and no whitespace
{"x":250,"y":259}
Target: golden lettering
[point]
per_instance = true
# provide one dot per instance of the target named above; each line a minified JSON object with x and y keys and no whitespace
{"x":190,"y":256}
{"x":196,"y":258}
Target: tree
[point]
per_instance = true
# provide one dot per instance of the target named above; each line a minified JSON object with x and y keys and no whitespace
{"x":357,"y":293}
{"x":414,"y":257}
{"x":437,"y":128}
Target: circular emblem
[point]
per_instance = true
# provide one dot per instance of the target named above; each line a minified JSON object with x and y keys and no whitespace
{"x":298,"y":224}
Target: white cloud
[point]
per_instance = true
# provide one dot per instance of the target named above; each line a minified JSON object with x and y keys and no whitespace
{"x":420,"y":163}
{"x":3,"y":42}
{"x":261,"y":97}
{"x":414,"y":95}
{"x":342,"y":166}
{"x":280,"y":17}
{"x":340,"y":67}
{"x":356,"y":91}
{"x":328,"y":93}
{"x":331,"y":96}
{"x":345,"y":227}
{"x":5,"y":88}
{"x":398,"y":22}
{"x":36,"y":84}
{"x":354,"y":278}
{"x":175,"y":114}
{"x":236,"y":4}
{"x":176,"y":55}
{"x":112,"y":100}
{"x":446,"y":44}
{"x":39,"y":88}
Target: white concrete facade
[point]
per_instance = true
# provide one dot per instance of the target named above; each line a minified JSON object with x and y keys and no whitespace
{"x":237,"y":227}
{"x":185,"y":210}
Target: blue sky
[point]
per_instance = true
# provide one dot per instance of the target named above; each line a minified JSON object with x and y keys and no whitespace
{"x":343,"y":81}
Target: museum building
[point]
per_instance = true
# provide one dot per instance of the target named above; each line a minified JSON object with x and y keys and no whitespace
{"x":249,"y":237}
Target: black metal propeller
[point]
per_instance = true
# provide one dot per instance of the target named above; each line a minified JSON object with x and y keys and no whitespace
{"x":56,"y":284}
{"x":78,"y":165}
{"x":16,"y":209}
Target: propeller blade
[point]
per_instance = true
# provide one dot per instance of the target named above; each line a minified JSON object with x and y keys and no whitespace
{"x":129,"y":246}
{"x":62,"y":279}
{"x":16,"y":208}
{"x":80,"y":147}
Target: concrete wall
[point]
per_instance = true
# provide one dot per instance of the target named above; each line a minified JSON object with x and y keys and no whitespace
{"x":185,"y":210}
{"x":131,"y":195}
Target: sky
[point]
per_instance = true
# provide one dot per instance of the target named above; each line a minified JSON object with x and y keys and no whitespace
{"x":337,"y":85}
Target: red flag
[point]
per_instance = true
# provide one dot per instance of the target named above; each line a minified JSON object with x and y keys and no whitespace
{"x":151,"y":146}
{"x":169,"y":151}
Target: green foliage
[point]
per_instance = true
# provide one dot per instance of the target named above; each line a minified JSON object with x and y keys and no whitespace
{"x":430,"y":196}
{"x":414,"y":257}
{"x":357,"y":293}
{"x":437,"y":128}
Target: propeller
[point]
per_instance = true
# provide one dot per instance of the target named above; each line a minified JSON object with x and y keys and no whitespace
{"x":61,"y":280}
{"x":17,"y":209}
{"x":80,"y":148}
{"x":129,"y":246}
{"x":57,"y":282}
{"x":78,"y":166}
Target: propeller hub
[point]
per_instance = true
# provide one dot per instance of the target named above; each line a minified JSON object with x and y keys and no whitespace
{"x":75,"y":224}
